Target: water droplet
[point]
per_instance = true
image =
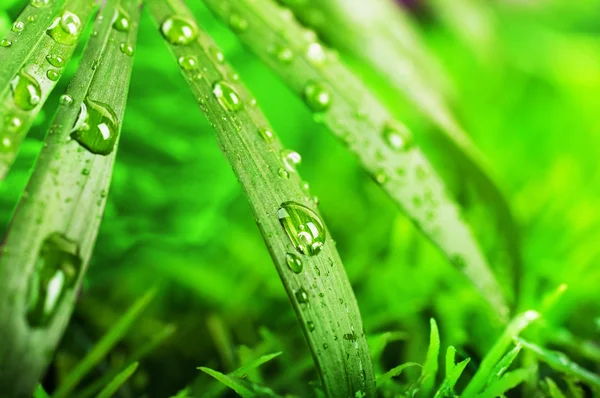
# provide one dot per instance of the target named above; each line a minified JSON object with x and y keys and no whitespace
{"x":303,"y":227}
{"x":301,"y":296}
{"x":96,"y":127}
{"x":315,"y":53}
{"x":216,"y":54}
{"x":397,"y":137}
{"x":290,"y":159}
{"x":188,"y":62}
{"x":65,"y":29}
{"x":55,"y":60}
{"x":325,"y":346}
{"x":381,"y":176}
{"x":458,"y":261}
{"x":56,"y":271}
{"x":31,"y":18}
{"x":53,"y":74}
{"x":310,"y":325}
{"x":5,"y":144}
{"x":227,"y":96}
{"x":18,"y":27}
{"x":178,"y":31}
{"x":121,"y":22}
{"x":305,"y":186}
{"x":237,"y":23}
{"x":294,"y":262}
{"x":266,"y":135}
{"x":5,"y":43}
{"x":284,"y":54}
{"x":317,"y":97}
{"x":126,"y":49}
{"x":65,"y":100}
{"x":26,"y":91}
{"x":283,"y":173}
{"x":12,"y":123}
{"x":421,"y":172}
{"x":40,"y":3}
{"x":350,"y":336}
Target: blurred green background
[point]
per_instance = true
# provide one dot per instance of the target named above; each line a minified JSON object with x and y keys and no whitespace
{"x":524,"y":79}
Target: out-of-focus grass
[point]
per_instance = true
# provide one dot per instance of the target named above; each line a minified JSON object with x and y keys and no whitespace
{"x":176,"y":216}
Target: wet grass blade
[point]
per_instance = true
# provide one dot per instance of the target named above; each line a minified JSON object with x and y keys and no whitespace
{"x":382,"y":144}
{"x":112,"y":387}
{"x":103,"y":347}
{"x":562,"y":363}
{"x":34,"y":54}
{"x":495,"y":354}
{"x":52,"y":233}
{"x":298,"y":241}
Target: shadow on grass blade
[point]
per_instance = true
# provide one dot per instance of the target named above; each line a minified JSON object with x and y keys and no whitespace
{"x":52,"y":233}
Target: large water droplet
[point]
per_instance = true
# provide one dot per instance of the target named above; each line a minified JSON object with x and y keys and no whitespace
{"x":301,"y":296}
{"x":227,"y":96}
{"x":397,"y":137}
{"x":18,"y":26}
{"x":178,"y":31}
{"x":55,"y":60}
{"x":56,"y":271}
{"x":290,"y":159}
{"x":65,"y":100}
{"x":5,"y":43}
{"x":126,"y":49}
{"x":65,"y":29}
{"x":121,"y":21}
{"x":294,"y":262}
{"x":26,"y":91}
{"x":317,"y":97}
{"x":315,"y":53}
{"x":303,"y":227}
{"x":96,"y":127}
{"x":188,"y":62}
{"x":53,"y":74}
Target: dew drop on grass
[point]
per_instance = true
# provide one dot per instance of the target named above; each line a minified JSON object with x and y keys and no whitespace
{"x":178,"y":31}
{"x":56,"y":270}
{"x":188,"y":62}
{"x":294,"y":262}
{"x":317,"y":97}
{"x":303,"y":227}
{"x":121,"y":22}
{"x":39,"y":3}
{"x":237,"y":23}
{"x":53,"y":74}
{"x":18,"y":27}
{"x":290,"y":159}
{"x":5,"y":43}
{"x":126,"y":49}
{"x":216,"y":54}
{"x":31,"y":18}
{"x":26,"y":91}
{"x":284,"y":54}
{"x":96,"y":127}
{"x":397,"y":138}
{"x":266,"y":135}
{"x":227,"y":96}
{"x":381,"y":176}
{"x":65,"y":29}
{"x":315,"y":53}
{"x":13,"y":123}
{"x":310,"y":325}
{"x":55,"y":60}
{"x":283,"y":173}
{"x":301,"y":296}
{"x":65,"y":100}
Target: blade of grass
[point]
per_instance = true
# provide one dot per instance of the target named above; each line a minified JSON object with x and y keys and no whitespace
{"x":40,"y":392}
{"x":505,"y":383}
{"x":243,"y":371}
{"x":496,"y":352}
{"x":447,"y":387}
{"x":318,"y":289}
{"x":112,"y":387}
{"x":450,"y":360}
{"x":135,"y":357}
{"x":382,"y":144}
{"x":560,"y":362}
{"x":394,"y":372}
{"x":32,"y":65}
{"x":52,"y":233}
{"x":503,"y":365}
{"x":240,"y":386}
{"x":103,"y":347}
{"x":553,"y":390}
{"x":430,"y":367}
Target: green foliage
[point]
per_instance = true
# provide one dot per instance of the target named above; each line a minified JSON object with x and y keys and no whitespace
{"x":112,"y":387}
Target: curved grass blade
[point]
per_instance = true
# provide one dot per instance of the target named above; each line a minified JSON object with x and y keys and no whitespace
{"x":486,"y":369}
{"x":394,"y":372}
{"x":562,"y":363}
{"x":36,"y":51}
{"x":51,"y":236}
{"x":450,"y":360}
{"x":382,"y":144}
{"x":430,"y":367}
{"x":447,"y":387}
{"x":505,"y":383}
{"x":40,"y":392}
{"x":298,"y":241}
{"x":504,"y":364}
{"x":118,"y":381}
{"x":243,"y":388}
{"x":103,"y":347}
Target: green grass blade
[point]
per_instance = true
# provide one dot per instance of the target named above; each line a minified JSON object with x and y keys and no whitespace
{"x":243,"y":371}
{"x":553,"y":390}
{"x":40,"y":392}
{"x":320,"y":292}
{"x":383,"y":145}
{"x":430,"y":367}
{"x":447,"y":387}
{"x":27,"y":76}
{"x":378,"y":343}
{"x":560,"y":362}
{"x":139,"y":354}
{"x":118,"y":381}
{"x":231,"y":382}
{"x":505,"y":383}
{"x":495,"y":354}
{"x":450,"y":360}
{"x":103,"y":347}
{"x":503,"y":365}
{"x":394,"y":372}
{"x":53,"y":230}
